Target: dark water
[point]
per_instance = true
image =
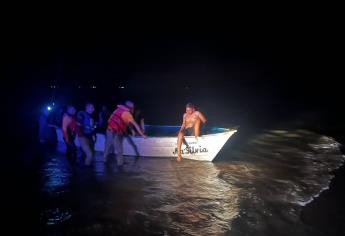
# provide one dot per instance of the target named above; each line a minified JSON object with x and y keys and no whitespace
{"x":258,"y":185}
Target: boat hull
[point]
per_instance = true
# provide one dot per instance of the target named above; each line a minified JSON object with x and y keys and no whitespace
{"x":205,"y":148}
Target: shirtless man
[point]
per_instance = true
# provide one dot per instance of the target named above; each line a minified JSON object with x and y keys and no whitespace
{"x":190,"y":126}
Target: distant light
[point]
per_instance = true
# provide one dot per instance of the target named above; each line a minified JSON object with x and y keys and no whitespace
{"x":53,"y":103}
{"x":49,"y":108}
{"x":79,"y":86}
{"x":121,"y":87}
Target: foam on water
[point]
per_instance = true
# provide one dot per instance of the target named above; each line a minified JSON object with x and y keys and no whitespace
{"x":259,"y":189}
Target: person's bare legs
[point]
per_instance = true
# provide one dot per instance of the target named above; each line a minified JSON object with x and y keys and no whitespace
{"x":86,"y":147}
{"x":179,"y":144}
{"x":197,"y":130}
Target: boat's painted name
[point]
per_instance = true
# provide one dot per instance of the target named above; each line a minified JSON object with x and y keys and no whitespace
{"x":192,"y":150}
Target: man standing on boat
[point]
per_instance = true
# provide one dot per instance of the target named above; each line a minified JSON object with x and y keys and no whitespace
{"x":117,"y":126}
{"x":190,"y":126}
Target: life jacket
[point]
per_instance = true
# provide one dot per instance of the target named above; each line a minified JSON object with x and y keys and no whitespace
{"x":115,"y":121}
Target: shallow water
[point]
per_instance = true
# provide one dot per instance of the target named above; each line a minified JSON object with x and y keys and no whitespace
{"x":257,"y":186}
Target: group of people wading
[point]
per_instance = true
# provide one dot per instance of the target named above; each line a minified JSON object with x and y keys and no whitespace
{"x":82,"y":125}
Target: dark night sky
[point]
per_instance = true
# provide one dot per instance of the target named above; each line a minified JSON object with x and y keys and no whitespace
{"x":284,"y":52}
{"x":258,"y":64}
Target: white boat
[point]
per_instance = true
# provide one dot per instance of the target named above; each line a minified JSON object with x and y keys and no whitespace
{"x":205,"y":148}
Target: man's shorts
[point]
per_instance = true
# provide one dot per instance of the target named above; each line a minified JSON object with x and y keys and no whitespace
{"x":188,"y":131}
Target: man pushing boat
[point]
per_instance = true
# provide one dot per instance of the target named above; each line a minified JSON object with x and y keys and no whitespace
{"x":117,"y":126}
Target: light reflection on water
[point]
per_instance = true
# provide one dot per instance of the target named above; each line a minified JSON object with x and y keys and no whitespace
{"x":259,"y":188}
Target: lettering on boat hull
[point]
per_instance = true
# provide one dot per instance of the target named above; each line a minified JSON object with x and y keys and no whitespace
{"x":192,"y":150}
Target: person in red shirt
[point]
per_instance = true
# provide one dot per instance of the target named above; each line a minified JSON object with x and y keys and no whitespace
{"x":69,"y":130}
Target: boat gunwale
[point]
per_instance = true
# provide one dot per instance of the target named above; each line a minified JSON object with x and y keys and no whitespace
{"x":205,"y":135}
{"x":226,"y":131}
